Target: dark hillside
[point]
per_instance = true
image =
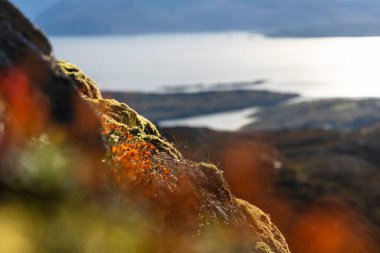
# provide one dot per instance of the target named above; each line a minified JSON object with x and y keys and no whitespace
{"x":323,"y":176}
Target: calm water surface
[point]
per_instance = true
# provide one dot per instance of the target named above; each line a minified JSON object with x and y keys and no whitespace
{"x":227,"y":121}
{"x":318,"y":67}
{"x":314,"y":68}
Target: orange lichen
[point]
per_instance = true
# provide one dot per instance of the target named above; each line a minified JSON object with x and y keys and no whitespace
{"x":134,"y":161}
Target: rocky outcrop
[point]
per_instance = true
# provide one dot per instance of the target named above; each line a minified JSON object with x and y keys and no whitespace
{"x":62,"y":140}
{"x":210,"y":197}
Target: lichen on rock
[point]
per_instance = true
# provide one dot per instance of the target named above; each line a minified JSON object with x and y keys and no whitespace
{"x":119,"y":156}
{"x":210,"y":197}
{"x":115,"y":112}
{"x":271,"y":237}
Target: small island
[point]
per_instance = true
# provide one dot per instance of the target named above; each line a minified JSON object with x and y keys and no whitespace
{"x":159,"y":106}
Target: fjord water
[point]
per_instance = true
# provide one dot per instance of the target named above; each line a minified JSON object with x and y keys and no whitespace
{"x":312,"y":67}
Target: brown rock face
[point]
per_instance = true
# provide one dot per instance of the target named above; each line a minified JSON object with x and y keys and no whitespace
{"x":114,"y":157}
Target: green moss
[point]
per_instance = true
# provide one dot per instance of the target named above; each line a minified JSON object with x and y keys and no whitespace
{"x":117,"y":113}
{"x":263,"y":248}
{"x":269,"y":236}
{"x":125,"y":121}
{"x":84,"y":84}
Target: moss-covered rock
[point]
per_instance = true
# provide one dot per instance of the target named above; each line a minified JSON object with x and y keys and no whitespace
{"x":271,"y":237}
{"x":86,"y":86}
{"x":115,"y":112}
{"x":210,"y":196}
{"x":113,"y":156}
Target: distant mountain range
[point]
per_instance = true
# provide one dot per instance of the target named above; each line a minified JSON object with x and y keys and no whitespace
{"x":33,"y":9}
{"x":271,"y":17}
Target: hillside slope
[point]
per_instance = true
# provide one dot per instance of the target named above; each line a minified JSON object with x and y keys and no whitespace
{"x":319,"y":186}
